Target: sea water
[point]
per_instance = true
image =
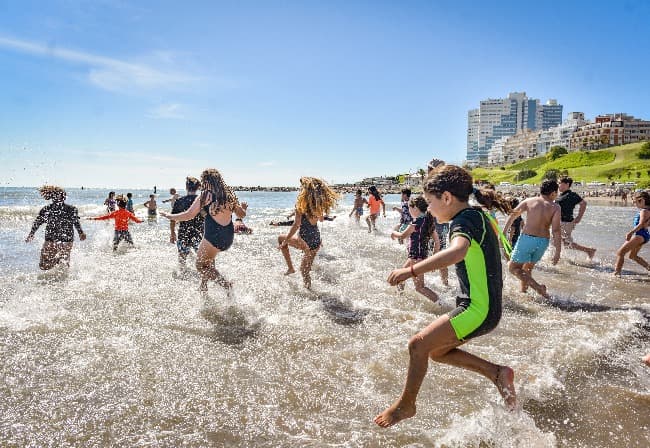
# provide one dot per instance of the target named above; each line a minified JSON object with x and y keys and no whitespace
{"x":120,"y":350}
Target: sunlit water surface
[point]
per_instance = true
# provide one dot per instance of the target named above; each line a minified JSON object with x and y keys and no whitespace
{"x":119,"y":351}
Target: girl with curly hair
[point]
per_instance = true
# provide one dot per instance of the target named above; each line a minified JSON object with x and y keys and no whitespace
{"x":217,"y":202}
{"x":314,"y":201}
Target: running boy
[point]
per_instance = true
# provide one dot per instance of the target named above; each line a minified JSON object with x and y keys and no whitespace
{"x":638,"y":236}
{"x":541,"y":214}
{"x":61,"y":219}
{"x":474,"y":249}
{"x":121,"y":217}
{"x":357,"y":208}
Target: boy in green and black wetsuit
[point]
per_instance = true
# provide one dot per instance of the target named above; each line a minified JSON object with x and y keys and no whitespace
{"x":474,"y":249}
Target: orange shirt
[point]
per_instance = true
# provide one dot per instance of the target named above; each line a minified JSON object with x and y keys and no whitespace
{"x":374,"y":204}
{"x":122,"y":217}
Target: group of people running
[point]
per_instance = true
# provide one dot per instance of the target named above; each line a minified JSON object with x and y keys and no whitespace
{"x":463,"y":235}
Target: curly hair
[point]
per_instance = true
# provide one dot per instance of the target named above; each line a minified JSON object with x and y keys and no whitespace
{"x":52,"y":193}
{"x":315,"y":198}
{"x":223,"y":197}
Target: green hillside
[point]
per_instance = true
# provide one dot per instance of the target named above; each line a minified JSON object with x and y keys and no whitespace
{"x":615,"y":164}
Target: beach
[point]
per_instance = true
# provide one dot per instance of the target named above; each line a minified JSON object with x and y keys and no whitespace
{"x":121,"y":350}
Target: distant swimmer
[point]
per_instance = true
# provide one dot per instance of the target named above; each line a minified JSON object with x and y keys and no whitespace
{"x":478,"y":266}
{"x":109,"y":202}
{"x":541,"y":214}
{"x":61,"y":219}
{"x":315,"y":199}
{"x":568,"y":200}
{"x":357,"y":207}
{"x":217,"y":202}
{"x":638,"y":236}
{"x":418,"y":231}
{"x":152,"y":208}
{"x":129,"y":202}
{"x":122,"y":217}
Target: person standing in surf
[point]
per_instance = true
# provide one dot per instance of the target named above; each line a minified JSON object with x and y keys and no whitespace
{"x":313,"y":203}
{"x":61,"y":219}
{"x":122,"y":217}
{"x":567,"y":200}
{"x":375,"y":203}
{"x":217,"y":202}
{"x":474,"y":249}
{"x":190,"y":232}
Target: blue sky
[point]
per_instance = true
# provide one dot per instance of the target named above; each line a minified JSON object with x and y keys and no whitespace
{"x":135,"y":94}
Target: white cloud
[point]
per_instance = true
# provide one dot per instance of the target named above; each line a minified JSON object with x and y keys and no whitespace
{"x":167,"y":111}
{"x":107,"y":73}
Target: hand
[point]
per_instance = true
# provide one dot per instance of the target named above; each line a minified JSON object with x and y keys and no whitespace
{"x":576,"y":222}
{"x":399,"y":275}
{"x":628,"y":236}
{"x":164,"y":214}
{"x":29,"y":238}
{"x":82,"y":236}
{"x":244,"y":205}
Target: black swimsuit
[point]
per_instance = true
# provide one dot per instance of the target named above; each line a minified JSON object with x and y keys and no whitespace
{"x":309,"y":233}
{"x":214,"y":233}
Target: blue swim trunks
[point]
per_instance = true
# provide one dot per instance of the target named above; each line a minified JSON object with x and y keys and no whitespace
{"x":360,"y":211}
{"x":529,"y":249}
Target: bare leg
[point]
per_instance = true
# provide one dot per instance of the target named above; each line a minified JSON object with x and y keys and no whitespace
{"x":517,"y":269}
{"x":634,"y":243}
{"x":205,"y":266}
{"x":305,"y":266}
{"x":444,"y":276}
{"x":172,"y":232}
{"x":422,"y":289}
{"x":286,"y":254}
{"x":368,"y":218}
{"x":590,"y":251}
{"x":634,"y":255}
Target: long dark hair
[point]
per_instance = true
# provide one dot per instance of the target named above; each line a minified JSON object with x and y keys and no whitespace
{"x":428,"y":226}
{"x":373,"y":191}
{"x":222,"y":195}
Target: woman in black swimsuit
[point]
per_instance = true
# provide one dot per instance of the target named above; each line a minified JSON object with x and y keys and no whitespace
{"x":218,"y":202}
{"x":314,"y":201}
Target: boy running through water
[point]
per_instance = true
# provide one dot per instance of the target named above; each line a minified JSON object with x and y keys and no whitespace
{"x":541,"y":214}
{"x":121,"y":217}
{"x":61,"y":219}
{"x":357,"y":208}
{"x":474,"y":249}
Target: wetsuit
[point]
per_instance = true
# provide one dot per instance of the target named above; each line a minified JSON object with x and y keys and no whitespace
{"x":61,"y":221}
{"x":190,"y":232}
{"x":643,"y":233}
{"x":214,"y":233}
{"x":309,"y":233}
{"x":479,"y":305}
{"x":419,"y":242}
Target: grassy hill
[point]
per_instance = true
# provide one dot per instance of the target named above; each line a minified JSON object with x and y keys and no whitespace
{"x":615,"y":164}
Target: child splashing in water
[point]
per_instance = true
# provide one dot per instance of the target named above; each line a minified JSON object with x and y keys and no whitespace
{"x":218,"y":202}
{"x":419,"y":231}
{"x":638,"y":236}
{"x":474,"y":249}
{"x":314,"y":201}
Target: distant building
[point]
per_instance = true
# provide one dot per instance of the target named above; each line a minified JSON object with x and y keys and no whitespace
{"x":521,"y":147}
{"x":610,"y":130}
{"x":504,"y":117}
{"x":560,"y":135}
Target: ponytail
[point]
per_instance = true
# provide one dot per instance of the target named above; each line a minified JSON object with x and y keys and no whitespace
{"x":492,"y":199}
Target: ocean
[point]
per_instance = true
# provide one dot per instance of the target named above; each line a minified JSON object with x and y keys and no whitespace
{"x":120,"y":351}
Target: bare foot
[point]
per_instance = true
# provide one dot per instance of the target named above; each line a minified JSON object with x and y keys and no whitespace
{"x":542,"y":292}
{"x":394,"y":414}
{"x":523,"y":286}
{"x":505,"y":383}
{"x":617,"y":274}
{"x":591,"y":253}
{"x":290,"y":271}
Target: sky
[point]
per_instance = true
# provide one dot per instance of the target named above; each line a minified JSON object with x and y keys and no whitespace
{"x":111,"y":93}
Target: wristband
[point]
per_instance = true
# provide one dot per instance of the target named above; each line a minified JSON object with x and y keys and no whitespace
{"x":413,"y":272}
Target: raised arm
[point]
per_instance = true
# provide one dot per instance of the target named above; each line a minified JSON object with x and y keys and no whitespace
{"x":188,"y":214}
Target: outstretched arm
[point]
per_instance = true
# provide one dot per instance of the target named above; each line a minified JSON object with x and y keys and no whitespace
{"x":40,"y":219}
{"x":522,"y":207}
{"x":453,"y":254}
{"x":402,"y":235}
{"x":187,"y":214}
{"x":581,"y":211}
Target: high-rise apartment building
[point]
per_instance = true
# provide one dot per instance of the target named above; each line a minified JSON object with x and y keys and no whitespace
{"x":502,"y":117}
